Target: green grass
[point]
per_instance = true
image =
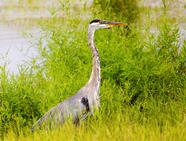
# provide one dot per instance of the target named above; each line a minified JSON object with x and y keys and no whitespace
{"x":143,"y":88}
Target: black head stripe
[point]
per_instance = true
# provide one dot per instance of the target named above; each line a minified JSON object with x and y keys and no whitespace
{"x":95,"y":21}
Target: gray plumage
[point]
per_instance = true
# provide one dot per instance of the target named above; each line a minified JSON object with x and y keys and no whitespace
{"x":87,"y":98}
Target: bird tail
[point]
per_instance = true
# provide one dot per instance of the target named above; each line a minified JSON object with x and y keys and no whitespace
{"x":51,"y":116}
{"x":38,"y":123}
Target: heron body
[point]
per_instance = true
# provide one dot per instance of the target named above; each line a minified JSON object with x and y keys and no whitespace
{"x":87,"y":98}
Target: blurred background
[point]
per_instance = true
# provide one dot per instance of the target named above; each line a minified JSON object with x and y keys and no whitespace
{"x":19,"y":23}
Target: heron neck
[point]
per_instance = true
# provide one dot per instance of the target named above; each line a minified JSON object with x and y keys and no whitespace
{"x":95,"y":74}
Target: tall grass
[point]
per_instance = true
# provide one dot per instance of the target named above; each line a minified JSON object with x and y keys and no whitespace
{"x":143,"y":87}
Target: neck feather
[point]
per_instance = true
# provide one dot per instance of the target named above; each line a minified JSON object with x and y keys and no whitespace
{"x":95,"y":79}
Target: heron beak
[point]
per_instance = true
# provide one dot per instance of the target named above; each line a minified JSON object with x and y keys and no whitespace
{"x":114,"y":23}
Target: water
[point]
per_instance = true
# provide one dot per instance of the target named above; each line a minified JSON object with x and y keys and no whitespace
{"x":14,"y":47}
{"x":15,"y":17}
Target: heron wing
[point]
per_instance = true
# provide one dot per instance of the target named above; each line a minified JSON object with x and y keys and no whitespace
{"x":76,"y":106}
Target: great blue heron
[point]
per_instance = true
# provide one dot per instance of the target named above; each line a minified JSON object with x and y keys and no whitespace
{"x":87,"y":98}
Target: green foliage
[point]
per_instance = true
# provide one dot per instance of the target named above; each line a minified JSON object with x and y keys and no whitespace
{"x":127,"y":10}
{"x":17,"y":100}
{"x":142,"y":89}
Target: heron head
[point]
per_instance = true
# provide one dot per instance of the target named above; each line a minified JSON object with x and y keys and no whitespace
{"x":96,"y":24}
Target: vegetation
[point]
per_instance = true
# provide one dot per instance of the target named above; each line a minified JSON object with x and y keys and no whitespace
{"x":143,"y":88}
{"x":119,"y":9}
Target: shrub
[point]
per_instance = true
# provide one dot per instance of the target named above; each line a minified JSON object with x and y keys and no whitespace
{"x":125,"y":10}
